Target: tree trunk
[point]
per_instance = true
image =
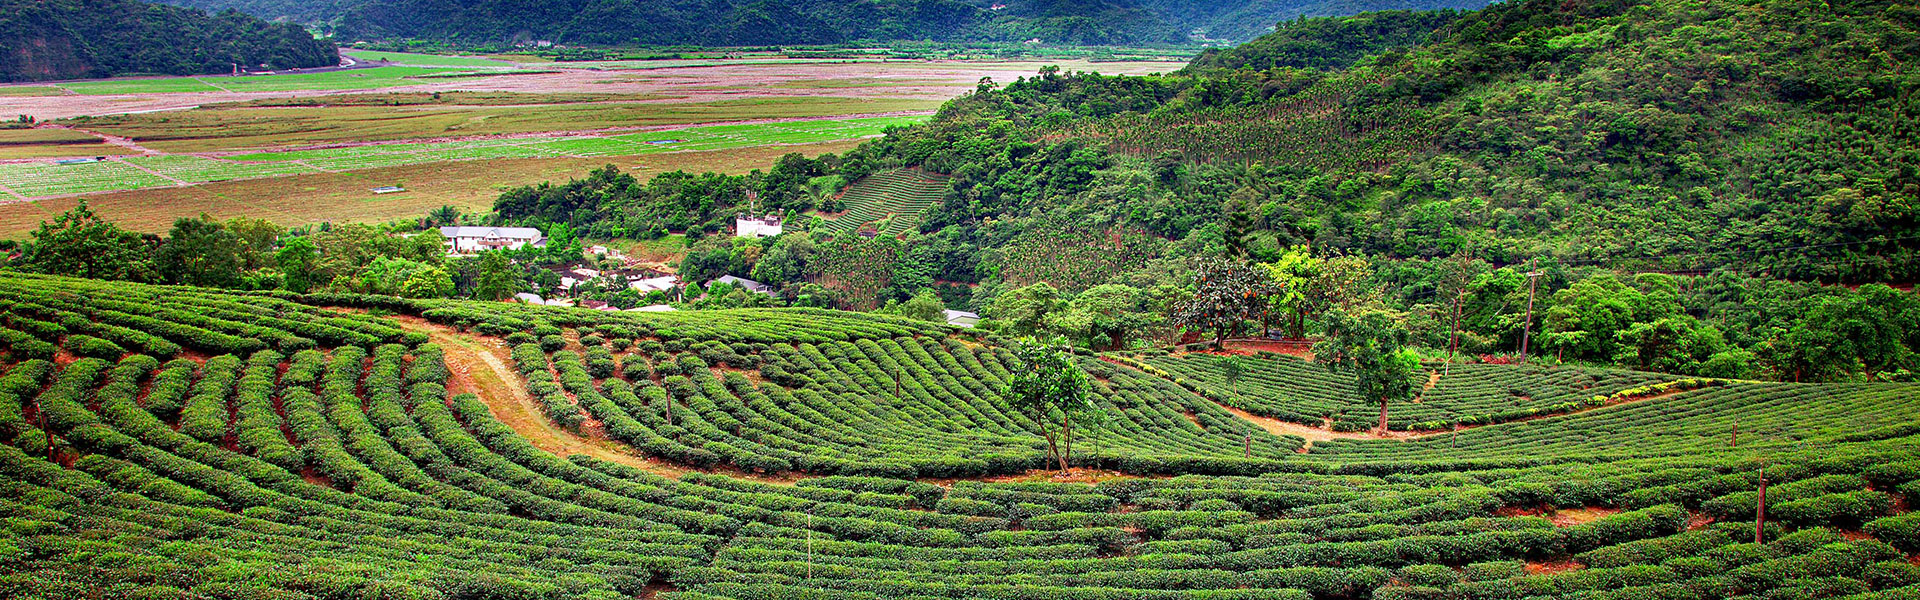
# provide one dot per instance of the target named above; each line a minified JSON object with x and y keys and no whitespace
{"x":1066,"y":441}
{"x":1383,"y":416}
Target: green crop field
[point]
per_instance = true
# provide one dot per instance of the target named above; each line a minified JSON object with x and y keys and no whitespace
{"x":185,"y":443}
{"x":46,"y":179}
{"x":352,"y":79}
{"x":892,"y":201}
{"x":426,"y":60}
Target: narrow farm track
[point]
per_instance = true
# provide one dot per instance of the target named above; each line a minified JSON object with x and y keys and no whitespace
{"x":478,"y":368}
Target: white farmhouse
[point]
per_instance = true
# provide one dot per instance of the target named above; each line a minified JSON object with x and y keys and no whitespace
{"x":747,"y":284}
{"x":756,"y":227}
{"x":656,"y":284}
{"x":962,"y":318}
{"x":470,"y":240}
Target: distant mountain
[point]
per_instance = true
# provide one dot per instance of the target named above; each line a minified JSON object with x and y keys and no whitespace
{"x":1243,"y":20}
{"x":767,"y":22}
{"x":77,"y":39}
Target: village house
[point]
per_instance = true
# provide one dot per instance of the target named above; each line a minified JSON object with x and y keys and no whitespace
{"x":746,"y":284}
{"x":471,"y":240}
{"x":757,"y":227}
{"x":665,"y":283}
{"x":962,"y":318}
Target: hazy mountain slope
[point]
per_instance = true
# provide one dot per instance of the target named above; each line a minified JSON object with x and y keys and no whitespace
{"x":70,"y":39}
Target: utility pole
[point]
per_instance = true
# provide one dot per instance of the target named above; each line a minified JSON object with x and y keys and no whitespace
{"x":1249,"y":445}
{"x":1453,"y":347}
{"x":1735,"y":442}
{"x":1526,"y":334}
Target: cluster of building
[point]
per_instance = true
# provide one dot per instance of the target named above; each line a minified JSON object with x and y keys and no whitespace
{"x":473,"y":240}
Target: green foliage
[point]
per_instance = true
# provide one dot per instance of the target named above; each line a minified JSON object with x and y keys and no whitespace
{"x":104,"y":38}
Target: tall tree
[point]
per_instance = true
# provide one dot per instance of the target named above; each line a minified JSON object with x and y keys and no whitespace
{"x":1027,"y":309}
{"x":1373,"y":348}
{"x":1048,"y":387}
{"x":297,"y":260}
{"x":200,"y":251}
{"x":497,"y":280}
{"x":1227,"y":294}
{"x":79,"y":244}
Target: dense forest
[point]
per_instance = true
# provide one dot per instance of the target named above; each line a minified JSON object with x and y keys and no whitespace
{"x":74,"y":39}
{"x":758,"y":22}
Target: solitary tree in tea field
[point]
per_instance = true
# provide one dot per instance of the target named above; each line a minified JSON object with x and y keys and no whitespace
{"x":1048,"y":386}
{"x":1373,"y":348}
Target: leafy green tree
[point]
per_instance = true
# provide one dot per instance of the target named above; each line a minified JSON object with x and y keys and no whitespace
{"x":298,"y":259}
{"x":201,"y":252}
{"x":1371,"y":347}
{"x":1227,"y":294}
{"x":1676,"y":344}
{"x":561,"y":243}
{"x":924,"y":306}
{"x":1027,"y":309}
{"x":1233,"y":367}
{"x":1292,"y":275}
{"x":498,"y":279}
{"x":257,"y":237}
{"x":431,"y":282}
{"x":79,"y":244}
{"x":1105,"y":316}
{"x":1049,"y":389}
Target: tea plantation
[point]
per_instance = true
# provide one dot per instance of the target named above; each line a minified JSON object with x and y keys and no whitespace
{"x":161,"y":442}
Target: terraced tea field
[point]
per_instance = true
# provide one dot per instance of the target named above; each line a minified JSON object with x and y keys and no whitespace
{"x":1295,"y":390}
{"x":44,"y":178}
{"x":182,"y":443}
{"x":892,"y":202}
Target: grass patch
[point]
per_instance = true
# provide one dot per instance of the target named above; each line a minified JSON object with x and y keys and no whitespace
{"x":343,"y":197}
{"x":226,"y":129}
{"x":22,"y":91}
{"x":426,"y":60}
{"x":353,"y":79}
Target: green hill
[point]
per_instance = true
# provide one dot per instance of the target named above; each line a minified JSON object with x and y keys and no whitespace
{"x":69,"y":39}
{"x":181,"y":443}
{"x":741,"y":22}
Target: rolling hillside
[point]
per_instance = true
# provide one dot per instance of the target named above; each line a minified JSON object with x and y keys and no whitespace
{"x":180,"y":443}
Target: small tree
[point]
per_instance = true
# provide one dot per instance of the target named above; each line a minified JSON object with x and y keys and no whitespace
{"x":1048,"y":385}
{"x":1373,"y":348}
{"x":1234,"y":368}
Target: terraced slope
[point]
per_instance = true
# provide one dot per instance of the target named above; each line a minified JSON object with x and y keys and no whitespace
{"x":892,"y":201}
{"x":1292,"y":389}
{"x":179,"y":443}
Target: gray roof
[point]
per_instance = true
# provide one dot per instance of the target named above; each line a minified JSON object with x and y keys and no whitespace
{"x":514,"y":233}
{"x":745,"y":284}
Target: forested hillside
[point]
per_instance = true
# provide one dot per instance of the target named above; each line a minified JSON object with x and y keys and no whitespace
{"x":1688,"y":181}
{"x":74,"y":39}
{"x":756,"y":23}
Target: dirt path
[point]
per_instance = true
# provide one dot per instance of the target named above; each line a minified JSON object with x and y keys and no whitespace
{"x":477,"y":368}
{"x":481,"y":368}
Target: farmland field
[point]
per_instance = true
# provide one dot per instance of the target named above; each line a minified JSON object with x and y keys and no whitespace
{"x":46,"y":179}
{"x":425,"y":60}
{"x":342,"y":197}
{"x":801,"y":453}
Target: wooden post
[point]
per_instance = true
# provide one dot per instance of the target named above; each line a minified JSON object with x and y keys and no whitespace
{"x":1735,"y":442}
{"x":1760,"y":515}
{"x":1249,"y":445}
